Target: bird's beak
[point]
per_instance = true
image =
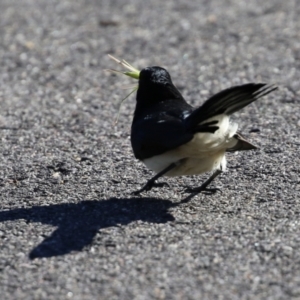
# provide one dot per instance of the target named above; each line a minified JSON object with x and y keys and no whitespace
{"x":133,"y":72}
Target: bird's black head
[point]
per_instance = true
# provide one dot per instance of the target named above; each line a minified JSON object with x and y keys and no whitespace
{"x":155,"y":85}
{"x":155,"y":75}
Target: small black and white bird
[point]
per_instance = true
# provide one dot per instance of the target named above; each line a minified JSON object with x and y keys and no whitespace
{"x":172,"y":138}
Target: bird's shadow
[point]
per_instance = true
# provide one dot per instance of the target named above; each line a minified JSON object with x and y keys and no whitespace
{"x":78,"y":223}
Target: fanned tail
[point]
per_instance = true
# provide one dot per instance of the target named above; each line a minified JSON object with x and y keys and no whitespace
{"x":241,"y":144}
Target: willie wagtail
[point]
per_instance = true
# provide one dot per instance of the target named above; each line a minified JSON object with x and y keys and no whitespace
{"x":172,"y":138}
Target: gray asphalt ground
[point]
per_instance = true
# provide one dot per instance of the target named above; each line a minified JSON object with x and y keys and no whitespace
{"x":69,"y":227}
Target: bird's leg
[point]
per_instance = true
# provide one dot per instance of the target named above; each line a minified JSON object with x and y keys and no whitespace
{"x":204,"y":185}
{"x":151,"y":182}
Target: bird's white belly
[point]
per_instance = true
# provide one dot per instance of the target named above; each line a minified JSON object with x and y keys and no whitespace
{"x":205,"y":152}
{"x":187,"y":166}
{"x":193,"y":157}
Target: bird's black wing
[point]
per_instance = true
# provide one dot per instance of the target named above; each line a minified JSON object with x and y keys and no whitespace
{"x":156,"y":134}
{"x":229,"y":101}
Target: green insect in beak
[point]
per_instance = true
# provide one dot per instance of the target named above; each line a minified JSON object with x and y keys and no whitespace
{"x":133,"y":73}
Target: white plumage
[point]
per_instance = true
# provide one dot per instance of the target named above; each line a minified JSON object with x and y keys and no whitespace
{"x":205,"y":152}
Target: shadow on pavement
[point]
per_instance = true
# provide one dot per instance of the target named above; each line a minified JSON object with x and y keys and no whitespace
{"x":78,"y":223}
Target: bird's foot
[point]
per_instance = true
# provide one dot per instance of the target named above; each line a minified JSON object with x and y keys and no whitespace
{"x":202,"y":189}
{"x":149,"y":185}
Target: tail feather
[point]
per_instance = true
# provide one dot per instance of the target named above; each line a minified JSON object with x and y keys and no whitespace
{"x":241,"y":144}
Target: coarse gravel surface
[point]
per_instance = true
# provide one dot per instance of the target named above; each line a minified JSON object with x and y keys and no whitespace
{"x":69,"y":226}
